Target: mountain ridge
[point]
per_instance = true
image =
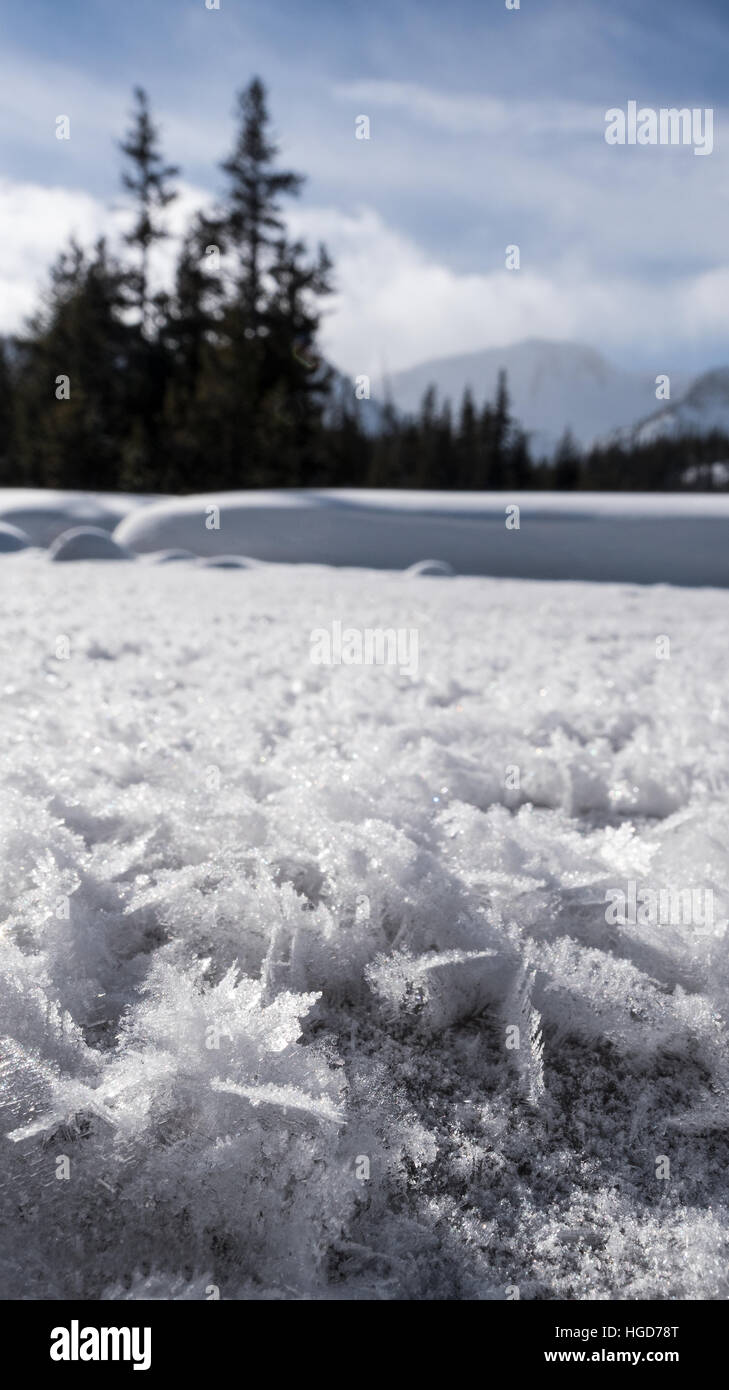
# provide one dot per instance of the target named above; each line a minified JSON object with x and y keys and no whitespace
{"x":553,"y":385}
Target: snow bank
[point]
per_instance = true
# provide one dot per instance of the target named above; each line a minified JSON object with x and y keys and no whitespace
{"x":43,"y":513}
{"x":12,"y":538}
{"x":169,"y":557}
{"x":227,"y":562}
{"x":637,"y":538}
{"x":429,"y":567}
{"x":87,"y":543}
{"x":669,"y":538}
{"x":269,"y":927}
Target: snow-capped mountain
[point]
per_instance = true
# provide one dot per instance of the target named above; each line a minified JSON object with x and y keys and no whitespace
{"x":702,"y":408}
{"x":552,"y":385}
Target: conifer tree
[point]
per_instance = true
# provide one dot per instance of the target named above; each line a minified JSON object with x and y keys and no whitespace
{"x":466,"y":448}
{"x":385,"y":463}
{"x":566,"y":463}
{"x":7,"y":416}
{"x":426,"y":465}
{"x":275,"y":384}
{"x":500,"y":435}
{"x":253,"y":222}
{"x":149,"y":180}
{"x":71,"y":435}
{"x":520,"y":471}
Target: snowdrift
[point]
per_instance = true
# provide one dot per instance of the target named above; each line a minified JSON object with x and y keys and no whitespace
{"x":43,"y":513}
{"x":87,"y":543}
{"x":678,"y":539}
{"x":666,"y":538}
{"x":307,"y":983}
{"x":12,"y":538}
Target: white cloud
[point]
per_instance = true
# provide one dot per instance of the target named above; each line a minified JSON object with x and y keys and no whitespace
{"x":395,"y":304}
{"x":37,"y":222}
{"x":475,"y":113}
{"x":34,"y":224}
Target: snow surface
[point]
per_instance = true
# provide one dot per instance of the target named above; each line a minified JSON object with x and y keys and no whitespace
{"x":265,"y":924}
{"x":87,"y":543}
{"x":43,"y":513}
{"x":680,"y":538}
{"x":677,"y":538}
{"x":12,"y":538}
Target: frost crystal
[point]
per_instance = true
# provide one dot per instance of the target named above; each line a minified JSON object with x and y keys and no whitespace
{"x":326,"y":982}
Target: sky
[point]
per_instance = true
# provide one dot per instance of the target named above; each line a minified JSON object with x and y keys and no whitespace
{"x":487,"y":130}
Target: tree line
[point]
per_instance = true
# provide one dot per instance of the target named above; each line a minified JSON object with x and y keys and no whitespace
{"x":217,"y":383}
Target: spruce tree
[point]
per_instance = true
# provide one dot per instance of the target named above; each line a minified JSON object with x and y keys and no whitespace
{"x":72,"y":413}
{"x":427,"y":423}
{"x":386,"y":460}
{"x":253,"y":222}
{"x":274,"y":382}
{"x":520,"y":470}
{"x":466,"y":449}
{"x":7,"y":416}
{"x":500,"y":435}
{"x":149,"y":180}
{"x":566,"y":463}
{"x":488,"y":471}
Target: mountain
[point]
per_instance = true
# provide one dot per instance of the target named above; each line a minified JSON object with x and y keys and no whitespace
{"x":702,"y":408}
{"x":552,"y":385}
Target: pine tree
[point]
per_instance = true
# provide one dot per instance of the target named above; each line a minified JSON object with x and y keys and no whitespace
{"x":566,"y":463}
{"x":194,"y":303}
{"x":519,"y":470}
{"x":444,"y":450}
{"x":486,"y":475}
{"x":275,"y":385}
{"x":253,"y":222}
{"x":385,"y":465}
{"x":466,"y":448}
{"x":500,"y":435}
{"x":345,"y":445}
{"x":149,"y":181}
{"x":189,"y":427}
{"x":426,"y":466}
{"x":72,"y":435}
{"x":7,"y":416}
{"x":291,"y":361}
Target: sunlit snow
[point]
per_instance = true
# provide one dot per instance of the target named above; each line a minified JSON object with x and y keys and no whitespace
{"x":266,"y":925}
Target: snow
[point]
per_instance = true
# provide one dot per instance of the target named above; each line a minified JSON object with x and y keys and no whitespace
{"x":674,"y":538}
{"x":169,"y":557}
{"x":227,"y":562}
{"x":87,"y":543}
{"x":12,"y":538}
{"x":44,"y":513}
{"x":424,"y":567}
{"x":680,"y":538}
{"x":267,"y":926}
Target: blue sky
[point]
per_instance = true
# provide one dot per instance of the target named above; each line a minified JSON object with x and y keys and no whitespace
{"x":487,"y":129}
